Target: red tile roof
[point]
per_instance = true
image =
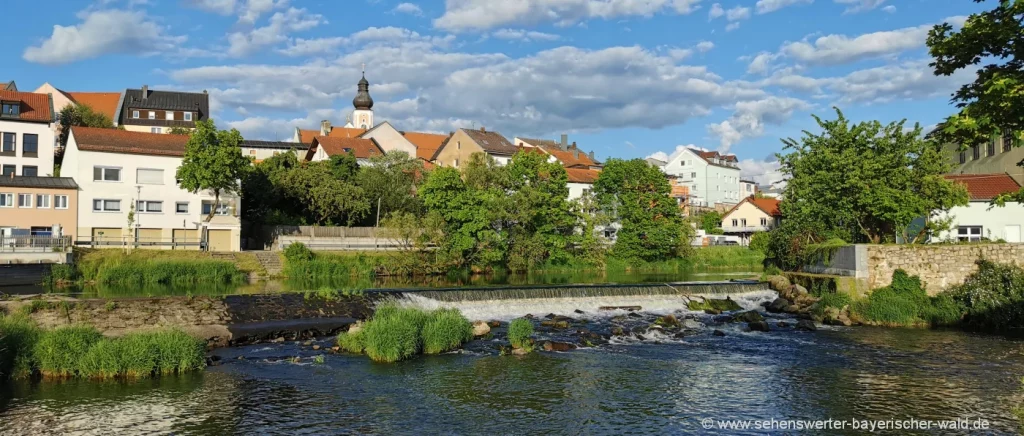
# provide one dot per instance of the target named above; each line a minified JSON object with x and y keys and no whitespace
{"x":581,"y":175}
{"x":568,"y":157}
{"x":984,"y":187}
{"x":123,"y":141}
{"x":769,"y":206}
{"x":332,"y":145}
{"x":101,"y":102}
{"x":426,"y":143}
{"x":34,"y":107}
{"x":306,"y":136}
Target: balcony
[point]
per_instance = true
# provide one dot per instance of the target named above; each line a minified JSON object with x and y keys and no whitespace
{"x":746,"y":229}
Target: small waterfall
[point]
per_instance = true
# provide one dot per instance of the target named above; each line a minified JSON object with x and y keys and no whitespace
{"x":509,"y":303}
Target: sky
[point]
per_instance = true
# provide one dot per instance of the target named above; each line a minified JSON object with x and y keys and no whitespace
{"x":624,"y":78}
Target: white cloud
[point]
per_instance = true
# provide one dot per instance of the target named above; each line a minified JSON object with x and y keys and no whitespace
{"x":737,"y":13}
{"x":252,"y":10}
{"x":715,"y":11}
{"x":732,"y":26}
{"x":763,"y":172}
{"x":841,"y":49}
{"x":222,"y":7}
{"x":890,"y":9}
{"x":408,"y":8}
{"x":316,"y":46}
{"x":761,"y":63}
{"x":704,"y":46}
{"x":750,"y":117}
{"x":523,"y":35}
{"x":281,"y":24}
{"x":103,"y":32}
{"x":659,"y":155}
{"x":860,"y":5}
{"x":463,"y":15}
{"x":766,"y":6}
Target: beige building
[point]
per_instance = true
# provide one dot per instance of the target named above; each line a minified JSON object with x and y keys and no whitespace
{"x":151,"y":111}
{"x":751,"y":215}
{"x":38,"y":206}
{"x":998,"y":156}
{"x":464,"y":142}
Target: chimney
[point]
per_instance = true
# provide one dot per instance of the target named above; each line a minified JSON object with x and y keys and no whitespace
{"x":483,"y":129}
{"x":591,"y":154}
{"x":575,"y":152}
{"x":325,"y":128}
{"x":573,"y":146}
{"x":564,"y":142}
{"x":204,"y":92}
{"x":145,"y":92}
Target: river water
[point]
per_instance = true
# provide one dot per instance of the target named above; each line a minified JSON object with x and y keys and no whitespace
{"x":641,"y":383}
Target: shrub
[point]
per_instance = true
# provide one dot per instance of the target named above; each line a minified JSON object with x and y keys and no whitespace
{"x":943,"y":311}
{"x":827,"y":300}
{"x":519,"y":332}
{"x":902,"y":303}
{"x":18,"y":337}
{"x":392,"y":338}
{"x":60,"y":273}
{"x":446,"y":330}
{"x":351,"y":342}
{"x":59,"y":352}
{"x":759,"y":242}
{"x":298,"y":252}
{"x":992,"y":298}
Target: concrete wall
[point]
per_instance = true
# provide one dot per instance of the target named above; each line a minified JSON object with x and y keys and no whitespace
{"x":38,"y":216}
{"x":1006,"y":223}
{"x":848,"y":261}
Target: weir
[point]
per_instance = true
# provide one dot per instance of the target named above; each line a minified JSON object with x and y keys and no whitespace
{"x":710,"y":289}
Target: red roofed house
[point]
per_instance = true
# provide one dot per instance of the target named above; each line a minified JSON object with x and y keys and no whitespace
{"x":750,"y":216}
{"x":569,"y":155}
{"x":323,"y":147}
{"x":115,"y":169}
{"x":26,"y":134}
{"x":979,"y":219}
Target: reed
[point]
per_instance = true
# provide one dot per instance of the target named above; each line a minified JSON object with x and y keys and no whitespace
{"x":519,"y":332}
{"x":446,"y":330}
{"x":18,"y":337}
{"x":59,"y":352}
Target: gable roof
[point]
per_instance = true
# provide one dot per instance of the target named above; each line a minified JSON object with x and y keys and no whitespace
{"x":126,"y":142}
{"x":570,"y":157}
{"x":491,"y":142}
{"x":985,"y":187}
{"x":361,"y":148}
{"x":426,"y":143}
{"x":769,"y":206}
{"x":100,"y":102}
{"x":307,"y":136}
{"x":38,"y":182}
{"x":582,"y":175}
{"x":275,"y":145}
{"x":8,"y":86}
{"x":166,"y":100}
{"x":34,"y":107}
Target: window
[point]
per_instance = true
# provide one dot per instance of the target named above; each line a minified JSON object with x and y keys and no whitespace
{"x":735,"y":223}
{"x":41,"y":231}
{"x":181,"y":207}
{"x":106,"y":174}
{"x":188,"y":116}
{"x":693,"y":175}
{"x":24,"y":200}
{"x":30,"y":171}
{"x":42,"y":201}
{"x":992,"y":147}
{"x":458,"y":145}
{"x":106,"y":205}
{"x":169,"y":115}
{"x":9,"y":143}
{"x":976,"y":152}
{"x":60,"y":201}
{"x":968,"y":233}
{"x":135,"y":114}
{"x":456,"y":163}
{"x":764,"y":222}
{"x":7,"y":170}
{"x":963,"y":157}
{"x":223,"y":209}
{"x":252,"y":152}
{"x":29,"y":144}
{"x":6,"y":199}
{"x":743,"y":222}
{"x":146,"y":176}
{"x":152,"y":115}
{"x":144,"y":206}
{"x":156,"y":130}
{"x":1007,"y":142}
{"x":11,"y":109}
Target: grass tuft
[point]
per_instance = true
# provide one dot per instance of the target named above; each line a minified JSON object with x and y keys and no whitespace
{"x":446,"y":330}
{"x":18,"y":336}
{"x":519,"y":332}
{"x":59,"y":352}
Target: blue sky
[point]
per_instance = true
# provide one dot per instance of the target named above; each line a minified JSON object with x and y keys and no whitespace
{"x":625,"y":78}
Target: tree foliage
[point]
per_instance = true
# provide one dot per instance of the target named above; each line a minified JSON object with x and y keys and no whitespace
{"x":80,"y":115}
{"x":389,"y":180}
{"x":212,"y":162}
{"x":864,"y":182}
{"x":993,"y":104}
{"x":638,"y":196}
{"x":327,"y":199}
{"x":710,"y":221}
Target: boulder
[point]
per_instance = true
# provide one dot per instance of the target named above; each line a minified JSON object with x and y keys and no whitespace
{"x":748,"y":317}
{"x":806,"y":325}
{"x":692,"y":324}
{"x":519,"y":352}
{"x":800,"y":290}
{"x":758,"y":326}
{"x":558,"y":346}
{"x":669,"y":321}
{"x":778,"y":283}
{"x":578,"y":311}
{"x":494,"y":324}
{"x":316,"y":347}
{"x":712,"y":311}
{"x":792,"y":308}
{"x":547,"y":323}
{"x":779,"y":305}
{"x":782,"y":324}
{"x":718,"y":333}
{"x":480,"y":328}
{"x":549,"y":316}
{"x":561,"y":324}
{"x":634,"y":315}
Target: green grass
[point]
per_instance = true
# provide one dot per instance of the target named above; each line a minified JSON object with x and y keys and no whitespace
{"x":60,"y":274}
{"x":59,"y":352}
{"x":351,"y":342}
{"x":519,"y":332}
{"x":446,"y":330}
{"x":111,"y":266}
{"x":713,"y":304}
{"x":395,"y":337}
{"x":903,"y":303}
{"x":18,"y":336}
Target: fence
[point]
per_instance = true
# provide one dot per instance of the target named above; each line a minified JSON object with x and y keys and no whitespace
{"x":34,"y":244}
{"x":275,"y":237}
{"x":142,"y":242}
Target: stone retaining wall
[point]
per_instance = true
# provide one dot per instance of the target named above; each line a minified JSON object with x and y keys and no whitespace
{"x":939,"y":266}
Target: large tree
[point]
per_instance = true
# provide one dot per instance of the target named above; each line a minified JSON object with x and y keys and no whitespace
{"x":992,"y":43}
{"x":213,"y":162}
{"x":326,"y":199}
{"x":638,"y":196}
{"x":540,"y":218}
{"x":389,"y":182}
{"x":865,"y":181}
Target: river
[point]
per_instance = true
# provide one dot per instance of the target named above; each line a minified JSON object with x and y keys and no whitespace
{"x":640,"y":384}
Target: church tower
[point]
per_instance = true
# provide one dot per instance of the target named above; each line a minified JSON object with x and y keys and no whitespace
{"x":362,"y":117}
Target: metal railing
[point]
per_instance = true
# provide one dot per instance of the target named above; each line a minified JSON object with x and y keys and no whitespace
{"x":141,"y":242}
{"x":34,"y":244}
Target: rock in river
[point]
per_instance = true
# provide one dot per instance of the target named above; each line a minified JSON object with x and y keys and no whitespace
{"x":558,"y":346}
{"x":779,"y":305}
{"x":806,"y":325}
{"x":758,"y":326}
{"x":748,"y":316}
{"x":718,"y":333}
{"x":480,"y":328}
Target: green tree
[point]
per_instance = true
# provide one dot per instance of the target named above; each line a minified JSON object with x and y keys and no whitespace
{"x":471,"y":216}
{"x":213,"y":162}
{"x":326,"y":199}
{"x":179,"y":131}
{"x":389,"y":180}
{"x":710,"y":221}
{"x":638,"y":196}
{"x":263,"y":193}
{"x":993,"y":104}
{"x":540,"y":219}
{"x":864,"y":181}
{"x":344,"y":166}
{"x":80,"y":115}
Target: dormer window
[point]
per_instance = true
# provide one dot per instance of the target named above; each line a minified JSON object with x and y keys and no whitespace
{"x":188,"y":116}
{"x":11,"y":109}
{"x":135,"y":114}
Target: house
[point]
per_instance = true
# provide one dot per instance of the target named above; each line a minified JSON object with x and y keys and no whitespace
{"x":581,"y":181}
{"x":713,"y":179}
{"x":105,"y":103}
{"x":26,"y":134}
{"x":980,"y":219}
{"x":306,"y":136}
{"x":415,"y":144}
{"x":569,"y":155}
{"x":747,"y":188}
{"x":998,"y":156}
{"x":464,"y":142}
{"x":260,"y":150}
{"x":680,"y":192}
{"x":117,"y":169}
{"x":323,"y":147}
{"x":38,"y":206}
{"x":152,"y":111}
{"x":753,"y":214}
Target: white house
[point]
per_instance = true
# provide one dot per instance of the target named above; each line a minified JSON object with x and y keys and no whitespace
{"x":747,"y":188}
{"x":116,"y":168}
{"x":750,"y":216}
{"x":260,"y":150}
{"x":713,"y":179}
{"x":979,"y":219}
{"x":581,"y":181}
{"x":26,"y":134}
{"x":323,"y":147}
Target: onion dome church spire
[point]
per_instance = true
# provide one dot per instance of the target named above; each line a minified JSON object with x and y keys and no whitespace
{"x":362,"y":117}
